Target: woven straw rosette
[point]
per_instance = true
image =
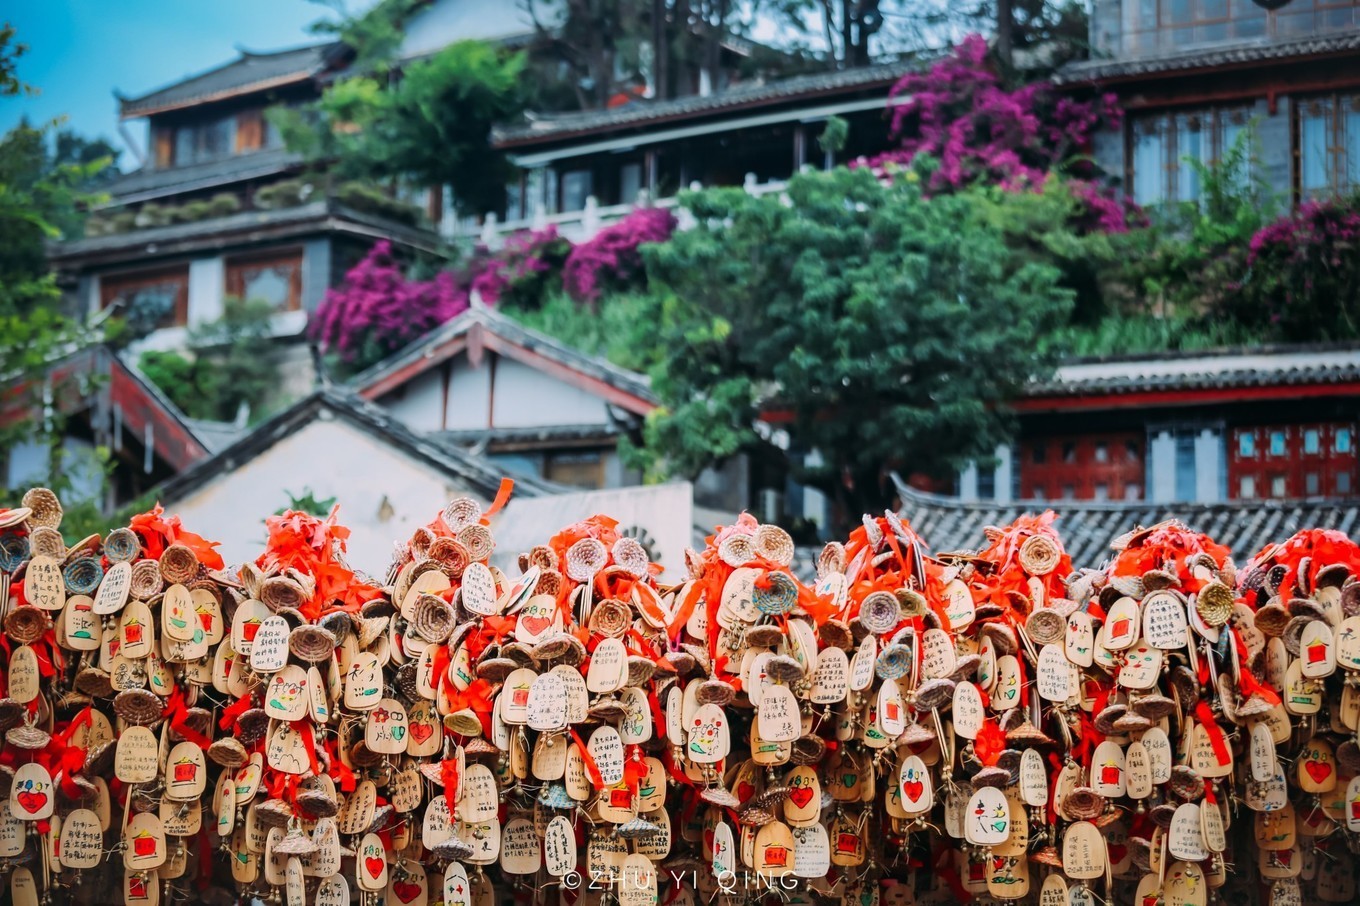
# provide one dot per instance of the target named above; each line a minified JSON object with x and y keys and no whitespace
{"x":876,"y":719}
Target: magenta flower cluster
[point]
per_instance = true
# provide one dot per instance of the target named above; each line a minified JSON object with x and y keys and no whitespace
{"x":378,"y":310}
{"x":977,"y":131}
{"x":1303,"y":273}
{"x":612,"y":256}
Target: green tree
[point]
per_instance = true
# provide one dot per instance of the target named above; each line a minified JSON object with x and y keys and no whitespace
{"x":223,"y":370}
{"x":42,"y":197}
{"x":429,"y":125}
{"x":874,"y":325}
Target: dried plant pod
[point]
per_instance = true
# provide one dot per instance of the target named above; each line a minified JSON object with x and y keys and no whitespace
{"x":1082,"y":804}
{"x":831,"y":559}
{"x":281,"y":592}
{"x":585,"y":558}
{"x":25,"y":625}
{"x":452,"y":556}
{"x":122,"y":545}
{"x":477,"y":540}
{"x":44,"y":508}
{"x":83,"y":575}
{"x":715,"y":692}
{"x":28,"y":737}
{"x":774,"y":544}
{"x":146,"y":581}
{"x":1214,"y":603}
{"x":47,"y":542}
{"x":1039,"y":555}
{"x":935,"y":693}
{"x":736,"y":550}
{"x":1272,"y":618}
{"x":461,"y":512}
{"x":313,"y":644}
{"x":611,"y":618}
{"x":228,"y":752}
{"x":179,"y":564}
{"x":879,"y":612}
{"x":629,"y":555}
{"x":433,"y":619}
{"x":139,"y":707}
{"x":1045,"y":626}
{"x":807,"y":750}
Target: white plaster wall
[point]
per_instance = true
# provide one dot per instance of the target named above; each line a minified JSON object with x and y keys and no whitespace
{"x":445,"y":21}
{"x":207,"y":282}
{"x":418,"y":405}
{"x":469,"y":395}
{"x":526,"y":398}
{"x":333,"y":459}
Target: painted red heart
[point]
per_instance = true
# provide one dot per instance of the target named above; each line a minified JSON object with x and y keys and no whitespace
{"x":375,"y":865}
{"x":406,"y":891}
{"x":32,"y":802}
{"x":1117,"y":852}
{"x":1318,"y":770}
{"x":421,"y":732}
{"x":801,"y":796}
{"x":913,"y":790}
{"x":745,"y":791}
{"x":535,"y":626}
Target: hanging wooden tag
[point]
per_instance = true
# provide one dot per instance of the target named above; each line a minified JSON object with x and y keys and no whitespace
{"x":559,"y":847}
{"x":478,"y":590}
{"x":269,"y":651}
{"x":1164,"y":621}
{"x":25,"y":679}
{"x":1006,"y":692}
{"x":370,"y":863}
{"x":186,"y":772}
{"x":1083,"y":851}
{"x":1108,"y":770}
{"x":774,"y":850}
{"x":1080,"y":639}
{"x":1033,"y":779}
{"x":777,"y":714}
{"x":708,"y":739}
{"x":862,"y":664}
{"x":1316,"y":769}
{"x":1137,"y":771}
{"x":1317,"y":650}
{"x":285,"y":749}
{"x":44,"y":585}
{"x":538,"y":619}
{"x":1122,"y":624}
{"x":606,"y":747}
{"x":145,"y":839}
{"x":288,"y":694}
{"x":1301,"y":697}
{"x":918,"y":795}
{"x":1185,"y":885}
{"x":988,"y":817}
{"x":938,"y":658}
{"x":135,"y":757}
{"x":967,"y":709}
{"x":178,"y":619}
{"x":385,"y":729}
{"x":1142,"y":667}
{"x":1054,"y":674}
{"x":811,"y":851}
{"x":32,"y":796}
{"x":958,"y":605}
{"x":520,"y":852}
{"x":457,"y":887}
{"x":363,"y":682}
{"x":83,"y":629}
{"x":724,"y":850}
{"x":1185,"y":839}
{"x":608,"y":669}
{"x":1008,"y":876}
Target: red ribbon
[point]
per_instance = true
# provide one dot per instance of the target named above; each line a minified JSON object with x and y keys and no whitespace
{"x":448,"y":772}
{"x":502,"y":498}
{"x":1220,"y":745}
{"x":591,"y":767}
{"x":176,"y":712}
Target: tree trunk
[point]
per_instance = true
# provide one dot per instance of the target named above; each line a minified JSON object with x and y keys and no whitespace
{"x":1005,"y":33}
{"x":661,"y":50}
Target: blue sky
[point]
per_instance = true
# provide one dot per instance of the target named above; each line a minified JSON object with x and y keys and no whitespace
{"x":81,"y":50}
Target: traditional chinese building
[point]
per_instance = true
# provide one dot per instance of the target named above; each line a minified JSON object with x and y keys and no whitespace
{"x":1193,"y":75}
{"x":1264,"y":424}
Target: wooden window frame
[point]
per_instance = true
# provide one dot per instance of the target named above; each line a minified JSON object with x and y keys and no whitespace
{"x":235,"y":266}
{"x":113,"y":285}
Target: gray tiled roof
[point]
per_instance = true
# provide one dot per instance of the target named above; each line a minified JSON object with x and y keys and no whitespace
{"x":1087,"y":528}
{"x":247,"y":73}
{"x":158,"y":182}
{"x":479,"y":474}
{"x":423,"y":350}
{"x":1232,"y":55}
{"x":1266,"y":366}
{"x":641,"y":113}
{"x":319,"y":216}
